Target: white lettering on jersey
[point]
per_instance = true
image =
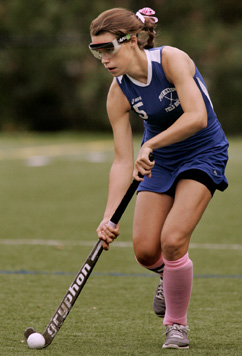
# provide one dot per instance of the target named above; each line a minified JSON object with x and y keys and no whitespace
{"x":168,"y":95}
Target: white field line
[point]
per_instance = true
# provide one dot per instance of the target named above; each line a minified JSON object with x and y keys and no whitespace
{"x":64,"y":149}
{"x":43,"y":242}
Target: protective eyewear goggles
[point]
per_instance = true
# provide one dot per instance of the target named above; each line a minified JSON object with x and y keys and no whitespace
{"x":108,"y":49}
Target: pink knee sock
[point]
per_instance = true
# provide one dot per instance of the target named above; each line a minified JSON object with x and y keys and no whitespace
{"x":177,"y":285}
{"x":157,"y":267}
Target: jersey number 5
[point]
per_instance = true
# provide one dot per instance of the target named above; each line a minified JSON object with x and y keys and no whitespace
{"x":141,"y":113}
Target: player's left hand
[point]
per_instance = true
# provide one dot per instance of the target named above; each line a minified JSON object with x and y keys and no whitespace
{"x":143,"y":165}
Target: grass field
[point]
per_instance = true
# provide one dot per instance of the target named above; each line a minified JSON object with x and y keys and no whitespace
{"x":53,"y":192}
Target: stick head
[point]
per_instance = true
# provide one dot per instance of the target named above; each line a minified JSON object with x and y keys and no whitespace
{"x":28,"y":332}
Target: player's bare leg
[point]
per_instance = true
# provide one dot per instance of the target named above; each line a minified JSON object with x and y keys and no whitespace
{"x":150,"y":214}
{"x":191,"y":199}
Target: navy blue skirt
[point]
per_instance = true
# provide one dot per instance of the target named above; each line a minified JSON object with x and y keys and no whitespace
{"x":200,"y":152}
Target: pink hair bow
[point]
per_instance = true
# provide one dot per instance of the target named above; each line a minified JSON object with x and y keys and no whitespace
{"x":146,"y":12}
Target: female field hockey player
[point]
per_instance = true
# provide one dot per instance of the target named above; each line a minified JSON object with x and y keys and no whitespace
{"x":164,"y":87}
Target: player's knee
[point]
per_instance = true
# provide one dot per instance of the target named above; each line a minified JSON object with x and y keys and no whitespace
{"x":146,"y":260}
{"x":173,"y":243}
{"x":146,"y":254}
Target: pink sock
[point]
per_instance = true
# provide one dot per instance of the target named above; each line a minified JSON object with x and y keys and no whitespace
{"x":157,"y":267}
{"x":177,"y":285}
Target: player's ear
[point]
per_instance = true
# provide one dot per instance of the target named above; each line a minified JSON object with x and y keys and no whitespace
{"x":133,"y":41}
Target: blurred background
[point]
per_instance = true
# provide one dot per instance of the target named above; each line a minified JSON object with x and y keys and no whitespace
{"x":56,"y":150}
{"x":49,"y":81}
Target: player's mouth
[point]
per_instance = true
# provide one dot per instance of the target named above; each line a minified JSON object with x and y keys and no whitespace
{"x":111,"y":69}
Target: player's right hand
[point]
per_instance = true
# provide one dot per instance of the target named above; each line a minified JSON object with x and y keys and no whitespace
{"x":107,"y":233}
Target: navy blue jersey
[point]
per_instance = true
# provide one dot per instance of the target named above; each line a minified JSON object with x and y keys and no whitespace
{"x":157,"y":103}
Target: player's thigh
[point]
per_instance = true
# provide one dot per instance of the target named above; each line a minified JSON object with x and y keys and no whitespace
{"x":151,"y":210}
{"x":191,"y":200}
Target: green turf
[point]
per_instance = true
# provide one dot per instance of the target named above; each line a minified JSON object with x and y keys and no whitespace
{"x":64,"y":201}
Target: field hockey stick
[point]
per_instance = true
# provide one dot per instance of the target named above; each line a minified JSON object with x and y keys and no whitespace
{"x":82,"y":276}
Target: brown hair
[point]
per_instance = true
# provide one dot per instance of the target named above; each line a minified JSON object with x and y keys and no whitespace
{"x":120,"y":22}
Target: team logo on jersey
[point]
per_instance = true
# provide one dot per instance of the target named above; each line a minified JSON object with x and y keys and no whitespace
{"x":173,"y":100}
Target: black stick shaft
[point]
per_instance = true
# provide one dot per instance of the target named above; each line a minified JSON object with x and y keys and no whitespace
{"x":82,"y":276}
{"x":124,"y":203}
{"x":72,"y":294}
{"x":127,"y":197}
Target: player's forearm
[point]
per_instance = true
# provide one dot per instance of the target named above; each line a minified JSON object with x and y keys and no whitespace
{"x":120,"y":177}
{"x":186,"y":126}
